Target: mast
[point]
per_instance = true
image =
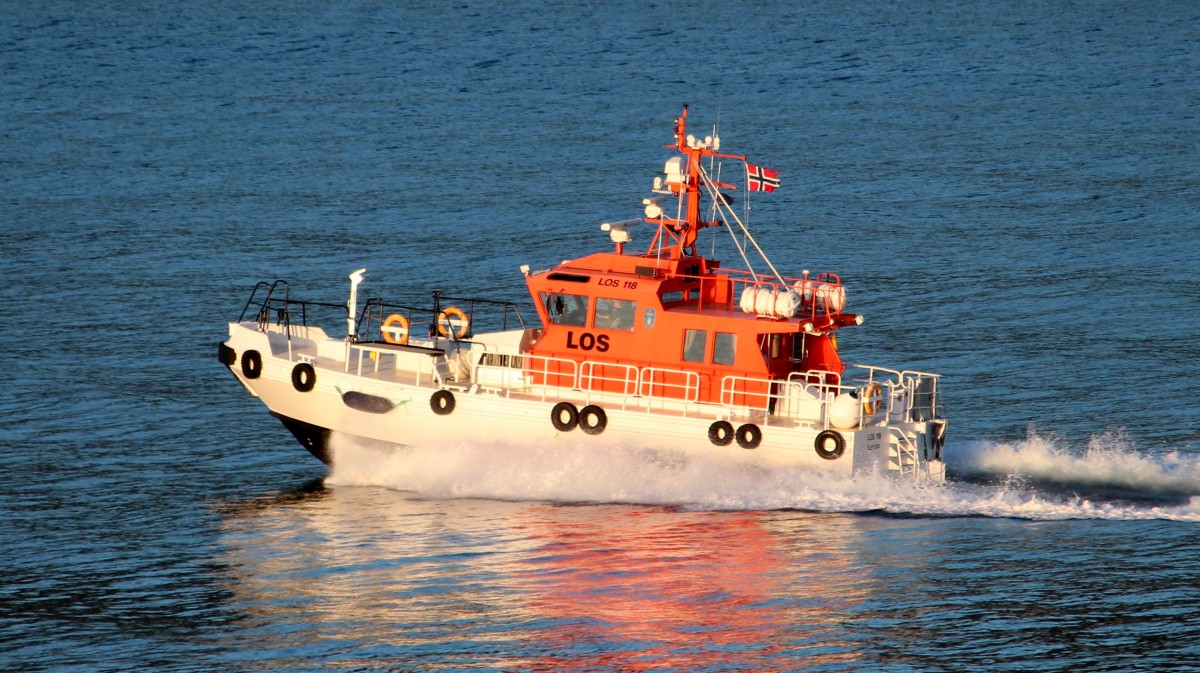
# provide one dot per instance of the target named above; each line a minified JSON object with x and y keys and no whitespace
{"x":677,"y":237}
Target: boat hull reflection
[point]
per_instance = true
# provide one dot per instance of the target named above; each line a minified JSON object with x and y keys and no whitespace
{"x":336,"y":575}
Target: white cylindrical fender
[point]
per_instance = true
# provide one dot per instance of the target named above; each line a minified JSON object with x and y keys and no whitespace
{"x":844,"y":411}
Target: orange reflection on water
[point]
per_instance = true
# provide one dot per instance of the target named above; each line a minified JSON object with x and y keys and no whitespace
{"x":535,"y":586}
{"x":638,"y":589}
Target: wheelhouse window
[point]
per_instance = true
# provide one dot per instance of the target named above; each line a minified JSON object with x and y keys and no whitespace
{"x":614,"y":313}
{"x":695,"y":343}
{"x":724,"y":348}
{"x":566,"y":309}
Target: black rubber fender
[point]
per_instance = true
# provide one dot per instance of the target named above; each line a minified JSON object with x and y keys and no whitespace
{"x":442,"y":403}
{"x":225,"y":354}
{"x":822,"y":444}
{"x":720,"y":433}
{"x":252,"y":365}
{"x":372,"y":404}
{"x":749,"y":436}
{"x":304,"y":377}
{"x":557,"y":416}
{"x":592,"y":419}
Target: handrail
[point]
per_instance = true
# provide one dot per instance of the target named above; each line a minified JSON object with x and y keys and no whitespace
{"x":283,"y":307}
{"x":588,"y":377}
{"x":427,"y":363}
{"x":472,"y":302}
{"x":730,"y":390}
{"x":649,"y":379}
{"x":526,"y":367}
{"x":253,"y":293}
{"x":370,"y":316}
{"x":375,"y":311}
{"x":555,"y":372}
{"x":817,"y":377}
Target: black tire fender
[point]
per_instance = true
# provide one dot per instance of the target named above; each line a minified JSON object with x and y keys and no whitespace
{"x":720,"y":433}
{"x":564,"y":424}
{"x":304,"y":377}
{"x":592,"y":419}
{"x":442,"y":402}
{"x":822,"y":444}
{"x":749,"y":436}
{"x":252,"y":364}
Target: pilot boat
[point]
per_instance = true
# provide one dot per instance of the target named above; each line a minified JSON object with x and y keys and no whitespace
{"x":664,"y":348}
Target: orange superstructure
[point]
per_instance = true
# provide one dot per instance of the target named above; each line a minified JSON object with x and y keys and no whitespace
{"x":672,"y":310}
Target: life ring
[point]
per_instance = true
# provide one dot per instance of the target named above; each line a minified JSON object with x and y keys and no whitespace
{"x":720,"y":433}
{"x":442,"y":402}
{"x":252,"y":364}
{"x":749,"y":436}
{"x":822,"y":444}
{"x":304,"y":377}
{"x":592,"y":419}
{"x":871,"y":399}
{"x":564,"y":416}
{"x":447,"y":328}
{"x":395,"y":324}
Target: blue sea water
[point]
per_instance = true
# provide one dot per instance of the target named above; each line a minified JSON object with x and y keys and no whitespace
{"x":1009,"y":190}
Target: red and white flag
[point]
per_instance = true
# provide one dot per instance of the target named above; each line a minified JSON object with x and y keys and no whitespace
{"x":759,"y":179}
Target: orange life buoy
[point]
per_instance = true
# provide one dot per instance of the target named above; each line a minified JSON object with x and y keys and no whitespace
{"x":871,"y":399}
{"x":395,"y":324}
{"x":446,"y":322}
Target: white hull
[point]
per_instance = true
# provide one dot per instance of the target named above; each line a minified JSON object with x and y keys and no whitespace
{"x":490,"y":403}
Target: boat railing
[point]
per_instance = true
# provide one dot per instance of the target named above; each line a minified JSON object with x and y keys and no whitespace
{"x":925,"y":399}
{"x":425,"y":366}
{"x":675,"y":384}
{"x":808,"y":396}
{"x":910,"y":395}
{"x":435,"y":321}
{"x":526,"y":374}
{"x":506,"y":374}
{"x":274,"y":311}
{"x":269,"y":308}
{"x":609,"y":378}
{"x":260,"y":303}
{"x":376,"y":313}
{"x":485,"y":314}
{"x":802,"y":397}
{"x":819,"y":380}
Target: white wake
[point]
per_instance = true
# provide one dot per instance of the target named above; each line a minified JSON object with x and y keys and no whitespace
{"x":999,"y":479}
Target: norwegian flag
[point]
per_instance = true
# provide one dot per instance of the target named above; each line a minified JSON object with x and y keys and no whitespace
{"x":759,"y":179}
